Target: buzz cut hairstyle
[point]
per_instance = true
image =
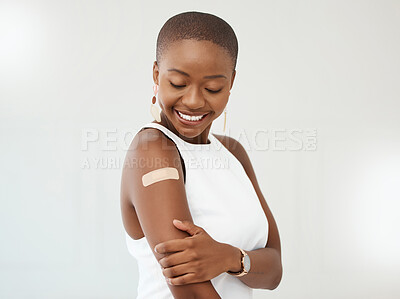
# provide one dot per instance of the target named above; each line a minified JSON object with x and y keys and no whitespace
{"x":198,"y":26}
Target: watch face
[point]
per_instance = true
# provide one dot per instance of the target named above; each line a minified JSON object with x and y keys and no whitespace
{"x":247,"y":263}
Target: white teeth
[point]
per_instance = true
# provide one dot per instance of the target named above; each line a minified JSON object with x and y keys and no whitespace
{"x":191,"y":118}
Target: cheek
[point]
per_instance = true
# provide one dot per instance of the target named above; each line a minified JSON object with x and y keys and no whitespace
{"x":218,"y":106}
{"x":165,"y":95}
{"x":220,"y":102}
{"x":166,"y":99}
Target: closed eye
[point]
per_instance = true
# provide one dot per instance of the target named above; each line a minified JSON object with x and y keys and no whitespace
{"x":209,"y":90}
{"x":214,"y":91}
{"x":177,"y":86}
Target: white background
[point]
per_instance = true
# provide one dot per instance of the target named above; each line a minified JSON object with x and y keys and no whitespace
{"x":67,"y":67}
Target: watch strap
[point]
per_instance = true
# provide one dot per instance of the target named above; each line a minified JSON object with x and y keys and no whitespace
{"x":242,"y":270}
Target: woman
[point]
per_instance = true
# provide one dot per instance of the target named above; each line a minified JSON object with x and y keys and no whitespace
{"x":175,"y":169}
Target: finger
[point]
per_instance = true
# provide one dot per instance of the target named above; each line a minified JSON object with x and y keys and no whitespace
{"x":187,"y":226}
{"x":171,"y":246}
{"x":177,"y":270}
{"x":175,"y":259}
{"x":183,"y":269}
{"x":184,"y":279}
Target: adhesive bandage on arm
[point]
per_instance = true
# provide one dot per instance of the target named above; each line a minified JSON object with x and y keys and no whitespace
{"x":161,"y":174}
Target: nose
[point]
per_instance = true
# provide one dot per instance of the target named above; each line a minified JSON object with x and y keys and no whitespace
{"x":193,"y":99}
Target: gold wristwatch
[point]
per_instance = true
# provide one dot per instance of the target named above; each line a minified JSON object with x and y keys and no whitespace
{"x":245,"y":265}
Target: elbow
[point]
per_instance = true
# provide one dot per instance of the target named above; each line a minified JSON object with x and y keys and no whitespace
{"x":277,"y":279}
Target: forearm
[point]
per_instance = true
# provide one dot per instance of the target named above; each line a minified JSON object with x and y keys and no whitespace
{"x":210,"y":293}
{"x":265,"y":269}
{"x":204,"y":290}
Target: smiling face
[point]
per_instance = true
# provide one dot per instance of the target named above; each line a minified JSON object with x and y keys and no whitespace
{"x":194,"y":78}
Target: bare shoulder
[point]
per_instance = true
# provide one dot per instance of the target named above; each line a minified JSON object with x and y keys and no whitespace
{"x":150,"y":149}
{"x":151,"y":139}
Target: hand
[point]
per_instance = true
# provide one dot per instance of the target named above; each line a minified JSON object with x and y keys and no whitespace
{"x":194,"y":259}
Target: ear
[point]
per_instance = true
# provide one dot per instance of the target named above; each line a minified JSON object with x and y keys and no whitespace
{"x":155,"y":73}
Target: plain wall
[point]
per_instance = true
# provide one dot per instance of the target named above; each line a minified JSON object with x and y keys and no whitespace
{"x":72,"y":69}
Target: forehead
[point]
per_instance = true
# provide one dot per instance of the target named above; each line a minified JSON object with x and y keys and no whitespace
{"x":201,"y":56}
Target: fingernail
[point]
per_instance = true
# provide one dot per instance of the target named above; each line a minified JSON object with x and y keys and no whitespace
{"x":178,"y":220}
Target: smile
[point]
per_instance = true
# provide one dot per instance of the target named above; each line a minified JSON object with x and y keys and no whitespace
{"x":190,"y":120}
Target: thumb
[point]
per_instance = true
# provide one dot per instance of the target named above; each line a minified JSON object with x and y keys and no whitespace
{"x":187,"y":226}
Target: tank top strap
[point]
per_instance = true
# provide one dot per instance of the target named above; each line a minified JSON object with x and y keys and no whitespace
{"x":183,"y":146}
{"x":166,"y":131}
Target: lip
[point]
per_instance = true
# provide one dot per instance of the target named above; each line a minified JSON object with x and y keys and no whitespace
{"x":189,"y":122}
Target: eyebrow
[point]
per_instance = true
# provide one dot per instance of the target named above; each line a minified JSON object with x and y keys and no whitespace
{"x":205,"y":77}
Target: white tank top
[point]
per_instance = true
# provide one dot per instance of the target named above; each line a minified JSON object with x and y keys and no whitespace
{"x":221,"y":200}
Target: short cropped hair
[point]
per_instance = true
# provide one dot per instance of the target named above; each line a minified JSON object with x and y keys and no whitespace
{"x":197,"y":26}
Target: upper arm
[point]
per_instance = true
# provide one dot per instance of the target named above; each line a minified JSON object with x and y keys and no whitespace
{"x":159,"y":203}
{"x":240,"y":153}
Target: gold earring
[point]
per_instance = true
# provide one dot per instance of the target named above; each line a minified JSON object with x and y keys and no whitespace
{"x":225,"y":111}
{"x":155,"y":110}
{"x":224,"y":119}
